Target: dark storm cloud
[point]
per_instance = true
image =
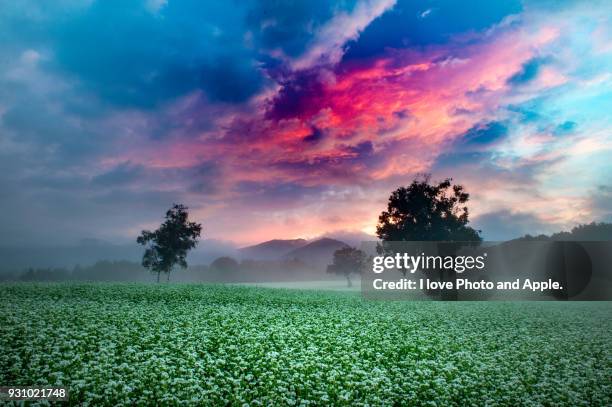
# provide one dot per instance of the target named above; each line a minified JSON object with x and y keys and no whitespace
{"x":131,"y":55}
{"x":230,"y":80}
{"x":301,"y":94}
{"x":143,"y":53}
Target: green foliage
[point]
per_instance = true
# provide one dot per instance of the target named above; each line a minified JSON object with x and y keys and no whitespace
{"x":136,"y":344}
{"x":168,"y":245}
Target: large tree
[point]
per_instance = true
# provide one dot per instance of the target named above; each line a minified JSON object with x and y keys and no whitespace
{"x":168,"y":246}
{"x":427,"y":212}
{"x":347,"y":261}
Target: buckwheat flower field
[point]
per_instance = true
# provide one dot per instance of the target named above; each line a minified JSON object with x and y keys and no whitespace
{"x":136,"y":344}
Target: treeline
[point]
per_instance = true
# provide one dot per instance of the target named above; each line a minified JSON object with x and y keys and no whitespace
{"x":223,"y":269}
{"x":100,"y":271}
{"x":587,"y":232}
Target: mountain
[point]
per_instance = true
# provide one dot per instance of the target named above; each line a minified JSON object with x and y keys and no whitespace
{"x":271,"y":250}
{"x":208,"y":250}
{"x":318,"y":253}
{"x":353,"y":238}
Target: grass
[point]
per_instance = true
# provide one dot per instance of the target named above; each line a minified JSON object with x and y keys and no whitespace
{"x":137,"y":344}
{"x":325,"y":285}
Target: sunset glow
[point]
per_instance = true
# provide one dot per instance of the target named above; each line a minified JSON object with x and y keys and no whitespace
{"x":112,"y":115}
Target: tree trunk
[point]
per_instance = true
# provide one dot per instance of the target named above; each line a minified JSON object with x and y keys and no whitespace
{"x":158,"y":277}
{"x":450,"y":294}
{"x":168,"y":278}
{"x":348,"y":281}
{"x":449,"y":249}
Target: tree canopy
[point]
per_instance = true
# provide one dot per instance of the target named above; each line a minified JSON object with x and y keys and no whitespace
{"x":169,"y":244}
{"x":347,"y":261}
{"x":427,"y":212}
{"x":225,"y":264}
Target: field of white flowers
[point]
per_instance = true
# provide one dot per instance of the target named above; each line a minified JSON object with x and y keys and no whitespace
{"x":130,"y":344}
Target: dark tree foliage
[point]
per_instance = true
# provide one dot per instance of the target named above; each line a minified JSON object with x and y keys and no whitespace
{"x":584,"y":232}
{"x":347,"y":261}
{"x":225,"y":264}
{"x":168,"y":245}
{"x":427,"y":212}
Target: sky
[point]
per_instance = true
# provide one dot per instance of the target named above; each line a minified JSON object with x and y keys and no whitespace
{"x":287,"y":119}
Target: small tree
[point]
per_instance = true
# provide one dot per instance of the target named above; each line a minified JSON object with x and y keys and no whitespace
{"x":168,"y":245}
{"x":225,"y":264}
{"x":347,"y":261}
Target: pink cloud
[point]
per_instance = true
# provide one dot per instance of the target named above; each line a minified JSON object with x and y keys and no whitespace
{"x":406,"y":107}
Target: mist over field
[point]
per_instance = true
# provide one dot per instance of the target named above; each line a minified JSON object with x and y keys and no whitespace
{"x":278,"y":260}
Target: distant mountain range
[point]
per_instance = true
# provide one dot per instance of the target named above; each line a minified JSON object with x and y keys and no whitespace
{"x":316,"y":253}
{"x":271,"y":250}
